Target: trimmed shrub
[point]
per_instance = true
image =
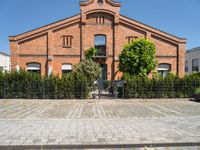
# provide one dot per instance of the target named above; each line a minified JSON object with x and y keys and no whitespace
{"x":169,"y":87}
{"x":26,"y":85}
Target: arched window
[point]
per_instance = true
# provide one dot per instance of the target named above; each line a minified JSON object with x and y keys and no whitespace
{"x":164,"y":69}
{"x":34,"y":67}
{"x":66,"y":68}
{"x":100,"y":44}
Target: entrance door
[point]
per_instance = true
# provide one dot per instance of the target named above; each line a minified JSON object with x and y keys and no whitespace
{"x":104,"y":71}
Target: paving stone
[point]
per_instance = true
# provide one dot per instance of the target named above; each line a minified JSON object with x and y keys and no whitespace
{"x":98,"y":122}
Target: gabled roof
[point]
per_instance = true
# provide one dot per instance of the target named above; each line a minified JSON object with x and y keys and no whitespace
{"x":45,"y":28}
{"x":193,"y":49}
{"x":153,"y":30}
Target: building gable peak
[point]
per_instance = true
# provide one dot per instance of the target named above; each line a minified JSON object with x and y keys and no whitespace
{"x":100,"y":2}
{"x":91,"y":6}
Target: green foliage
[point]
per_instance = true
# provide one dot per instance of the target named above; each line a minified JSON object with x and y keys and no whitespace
{"x":197,"y":91}
{"x":170,"y":87}
{"x":89,"y":69}
{"x":77,"y":85}
{"x":138,"y":57}
{"x":28,"y":85}
{"x":90,"y":53}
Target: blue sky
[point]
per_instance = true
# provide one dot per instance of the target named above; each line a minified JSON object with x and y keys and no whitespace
{"x":178,"y":17}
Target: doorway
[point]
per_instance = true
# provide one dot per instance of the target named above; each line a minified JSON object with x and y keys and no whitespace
{"x":104,"y":71}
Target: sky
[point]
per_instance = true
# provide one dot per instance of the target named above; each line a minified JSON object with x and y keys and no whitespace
{"x":178,"y":17}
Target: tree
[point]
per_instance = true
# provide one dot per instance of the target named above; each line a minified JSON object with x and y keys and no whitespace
{"x":90,"y":53}
{"x":90,"y":69}
{"x":138,"y":58}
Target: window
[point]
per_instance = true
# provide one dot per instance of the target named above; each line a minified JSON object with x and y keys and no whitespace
{"x":100,"y":44}
{"x":186,"y":66}
{"x":100,"y":19}
{"x":67,"y":41}
{"x":164,"y":69}
{"x":34,"y":68}
{"x":100,"y":2}
{"x":66,"y":68}
{"x":131,"y":38}
{"x":195,"y":65}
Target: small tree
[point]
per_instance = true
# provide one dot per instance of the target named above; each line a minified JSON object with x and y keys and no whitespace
{"x":90,"y":53}
{"x":89,"y":69}
{"x":138,"y":58}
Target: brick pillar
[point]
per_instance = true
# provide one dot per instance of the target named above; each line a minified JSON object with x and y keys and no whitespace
{"x":82,"y":36}
{"x":181,"y":58}
{"x":49,"y":65}
{"x":14,"y":55}
{"x":115,"y":46}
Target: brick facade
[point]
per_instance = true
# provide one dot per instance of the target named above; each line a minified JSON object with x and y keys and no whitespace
{"x":65,"y":41}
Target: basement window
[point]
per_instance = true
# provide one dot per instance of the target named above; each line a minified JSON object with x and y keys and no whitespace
{"x":67,"y":41}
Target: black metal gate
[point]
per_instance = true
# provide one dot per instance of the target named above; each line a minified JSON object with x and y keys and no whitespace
{"x":110,"y":89}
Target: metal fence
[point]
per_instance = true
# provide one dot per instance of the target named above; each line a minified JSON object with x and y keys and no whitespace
{"x":104,"y":89}
{"x":161,"y":89}
{"x":43,"y":91}
{"x":111,"y":89}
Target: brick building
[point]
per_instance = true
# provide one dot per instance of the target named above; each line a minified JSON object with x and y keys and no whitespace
{"x":57,"y":46}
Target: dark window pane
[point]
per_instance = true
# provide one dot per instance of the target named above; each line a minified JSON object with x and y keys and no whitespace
{"x":34,"y":71}
{"x":164,"y":69}
{"x":100,"y":45}
{"x":186,"y":66}
{"x":195,"y":65}
{"x":64,"y":72}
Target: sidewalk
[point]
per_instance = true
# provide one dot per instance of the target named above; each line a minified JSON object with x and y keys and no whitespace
{"x":100,"y":132}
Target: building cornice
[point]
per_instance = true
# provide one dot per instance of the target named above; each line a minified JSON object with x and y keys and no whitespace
{"x":45,"y":28}
{"x":154,"y":31}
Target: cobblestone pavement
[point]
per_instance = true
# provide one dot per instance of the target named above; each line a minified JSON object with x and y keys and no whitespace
{"x":96,"y":122}
{"x":97,"y":109}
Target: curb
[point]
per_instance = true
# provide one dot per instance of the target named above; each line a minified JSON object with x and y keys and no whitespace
{"x":25,"y":147}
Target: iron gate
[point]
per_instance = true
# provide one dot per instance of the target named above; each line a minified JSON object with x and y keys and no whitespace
{"x":107,"y":89}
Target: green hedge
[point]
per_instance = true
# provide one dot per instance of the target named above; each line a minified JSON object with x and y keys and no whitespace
{"x":169,"y":87}
{"x":27,"y":85}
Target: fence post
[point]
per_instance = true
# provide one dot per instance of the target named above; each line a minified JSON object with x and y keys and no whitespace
{"x":81,"y":89}
{"x":43,"y":91}
{"x":4,"y":89}
{"x":195,"y":86}
{"x":123,"y":90}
